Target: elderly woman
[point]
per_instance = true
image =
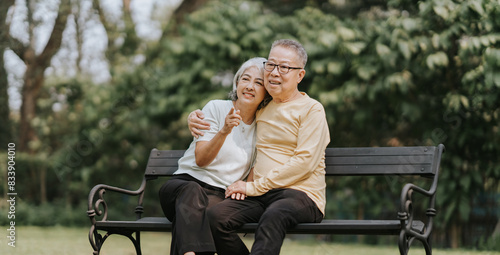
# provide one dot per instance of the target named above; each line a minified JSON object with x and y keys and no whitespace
{"x":214,"y":161}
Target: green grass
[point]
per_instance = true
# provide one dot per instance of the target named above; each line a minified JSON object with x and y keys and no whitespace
{"x":74,"y":241}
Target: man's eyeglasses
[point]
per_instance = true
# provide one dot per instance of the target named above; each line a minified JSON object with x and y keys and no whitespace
{"x":282,"y":69}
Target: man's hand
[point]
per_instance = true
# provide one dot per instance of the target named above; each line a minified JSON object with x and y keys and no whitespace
{"x":237,"y":190}
{"x":196,"y":123}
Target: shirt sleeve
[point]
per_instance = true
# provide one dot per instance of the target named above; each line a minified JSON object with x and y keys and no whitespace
{"x":313,"y":137}
{"x":212,"y":117}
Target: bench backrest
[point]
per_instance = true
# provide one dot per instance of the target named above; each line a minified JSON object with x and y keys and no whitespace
{"x":418,"y":160}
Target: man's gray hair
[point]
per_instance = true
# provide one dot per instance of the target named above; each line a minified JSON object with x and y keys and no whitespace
{"x":294,"y":45}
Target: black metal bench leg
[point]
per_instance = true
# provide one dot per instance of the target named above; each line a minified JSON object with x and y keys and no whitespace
{"x":95,"y":240}
{"x":427,"y":246}
{"x":136,"y":241}
{"x":138,"y":246}
{"x":405,"y":242}
{"x":404,"y":245}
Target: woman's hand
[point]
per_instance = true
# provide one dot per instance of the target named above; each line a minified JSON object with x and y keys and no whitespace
{"x":196,"y":123}
{"x":237,"y":190}
{"x":206,"y":151}
{"x":233,"y":119}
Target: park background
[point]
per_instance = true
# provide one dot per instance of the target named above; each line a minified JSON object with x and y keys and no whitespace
{"x":88,"y":88}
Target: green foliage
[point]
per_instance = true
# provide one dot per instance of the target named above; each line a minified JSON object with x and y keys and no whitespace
{"x":46,"y":215}
{"x":418,"y":78}
{"x":408,"y":73}
{"x":491,"y":244}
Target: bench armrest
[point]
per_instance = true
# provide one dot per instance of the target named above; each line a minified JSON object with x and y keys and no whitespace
{"x":405,"y":215}
{"x":100,"y":189}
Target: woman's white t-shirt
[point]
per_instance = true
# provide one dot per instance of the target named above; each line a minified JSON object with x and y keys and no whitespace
{"x":236,"y":156}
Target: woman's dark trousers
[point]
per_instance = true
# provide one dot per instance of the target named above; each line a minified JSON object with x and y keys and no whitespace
{"x":184,"y":201}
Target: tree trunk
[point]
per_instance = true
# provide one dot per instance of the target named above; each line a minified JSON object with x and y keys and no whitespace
{"x":34,"y":76}
{"x":455,"y":236}
{"x":185,"y":8}
{"x":5,"y":127}
{"x":130,"y":40}
{"x":43,"y":185}
{"x":79,"y":36}
{"x":33,"y":82}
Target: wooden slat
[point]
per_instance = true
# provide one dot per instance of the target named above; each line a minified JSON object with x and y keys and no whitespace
{"x":339,"y":161}
{"x":354,"y":170}
{"x":380,"y":161}
{"x":161,"y":171}
{"x":358,"y":151}
{"x":348,"y":227}
{"x":163,"y":162}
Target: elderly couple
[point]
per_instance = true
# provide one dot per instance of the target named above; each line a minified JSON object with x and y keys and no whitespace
{"x":261,"y":159}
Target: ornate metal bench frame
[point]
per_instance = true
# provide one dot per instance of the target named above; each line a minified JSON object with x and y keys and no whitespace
{"x":421,"y":161}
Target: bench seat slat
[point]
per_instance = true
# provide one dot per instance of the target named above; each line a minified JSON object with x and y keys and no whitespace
{"x":386,"y":151}
{"x":161,"y":171}
{"x":352,"y":170}
{"x":161,"y":162}
{"x":379,"y":160}
{"x":339,"y":161}
{"x":356,"y":227}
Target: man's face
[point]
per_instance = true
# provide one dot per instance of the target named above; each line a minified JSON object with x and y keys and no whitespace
{"x":279,"y":85}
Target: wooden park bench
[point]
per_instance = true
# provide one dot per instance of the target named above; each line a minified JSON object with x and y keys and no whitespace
{"x":422,"y":161}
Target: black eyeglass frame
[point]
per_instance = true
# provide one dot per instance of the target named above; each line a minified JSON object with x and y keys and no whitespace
{"x":279,"y":68}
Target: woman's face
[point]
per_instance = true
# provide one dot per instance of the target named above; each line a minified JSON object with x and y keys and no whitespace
{"x":250,"y":88}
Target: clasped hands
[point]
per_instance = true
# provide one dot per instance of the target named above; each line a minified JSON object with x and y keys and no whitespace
{"x":237,"y":190}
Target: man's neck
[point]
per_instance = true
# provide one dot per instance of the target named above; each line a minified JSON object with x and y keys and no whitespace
{"x":296,"y":95}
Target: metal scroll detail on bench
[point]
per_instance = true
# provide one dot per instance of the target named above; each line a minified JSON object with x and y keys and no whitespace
{"x":408,"y":234}
{"x":420,"y":161}
{"x":95,"y":238}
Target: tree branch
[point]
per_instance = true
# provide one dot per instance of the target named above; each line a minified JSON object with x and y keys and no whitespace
{"x":55,"y":40}
{"x":6,"y":127}
{"x":17,"y":47}
{"x":4,"y":31}
{"x":178,"y":17}
{"x":7,"y":41}
{"x":107,"y":25}
{"x":132,"y":42}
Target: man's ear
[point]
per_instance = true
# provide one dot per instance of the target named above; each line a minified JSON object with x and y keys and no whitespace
{"x":302,"y":73}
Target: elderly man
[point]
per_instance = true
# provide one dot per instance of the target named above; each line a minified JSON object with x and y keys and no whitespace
{"x":288,"y":182}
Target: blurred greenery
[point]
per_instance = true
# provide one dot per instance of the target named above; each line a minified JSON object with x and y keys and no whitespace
{"x":392,"y":73}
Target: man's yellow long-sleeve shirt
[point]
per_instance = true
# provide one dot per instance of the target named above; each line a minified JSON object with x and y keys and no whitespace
{"x":291,"y":142}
